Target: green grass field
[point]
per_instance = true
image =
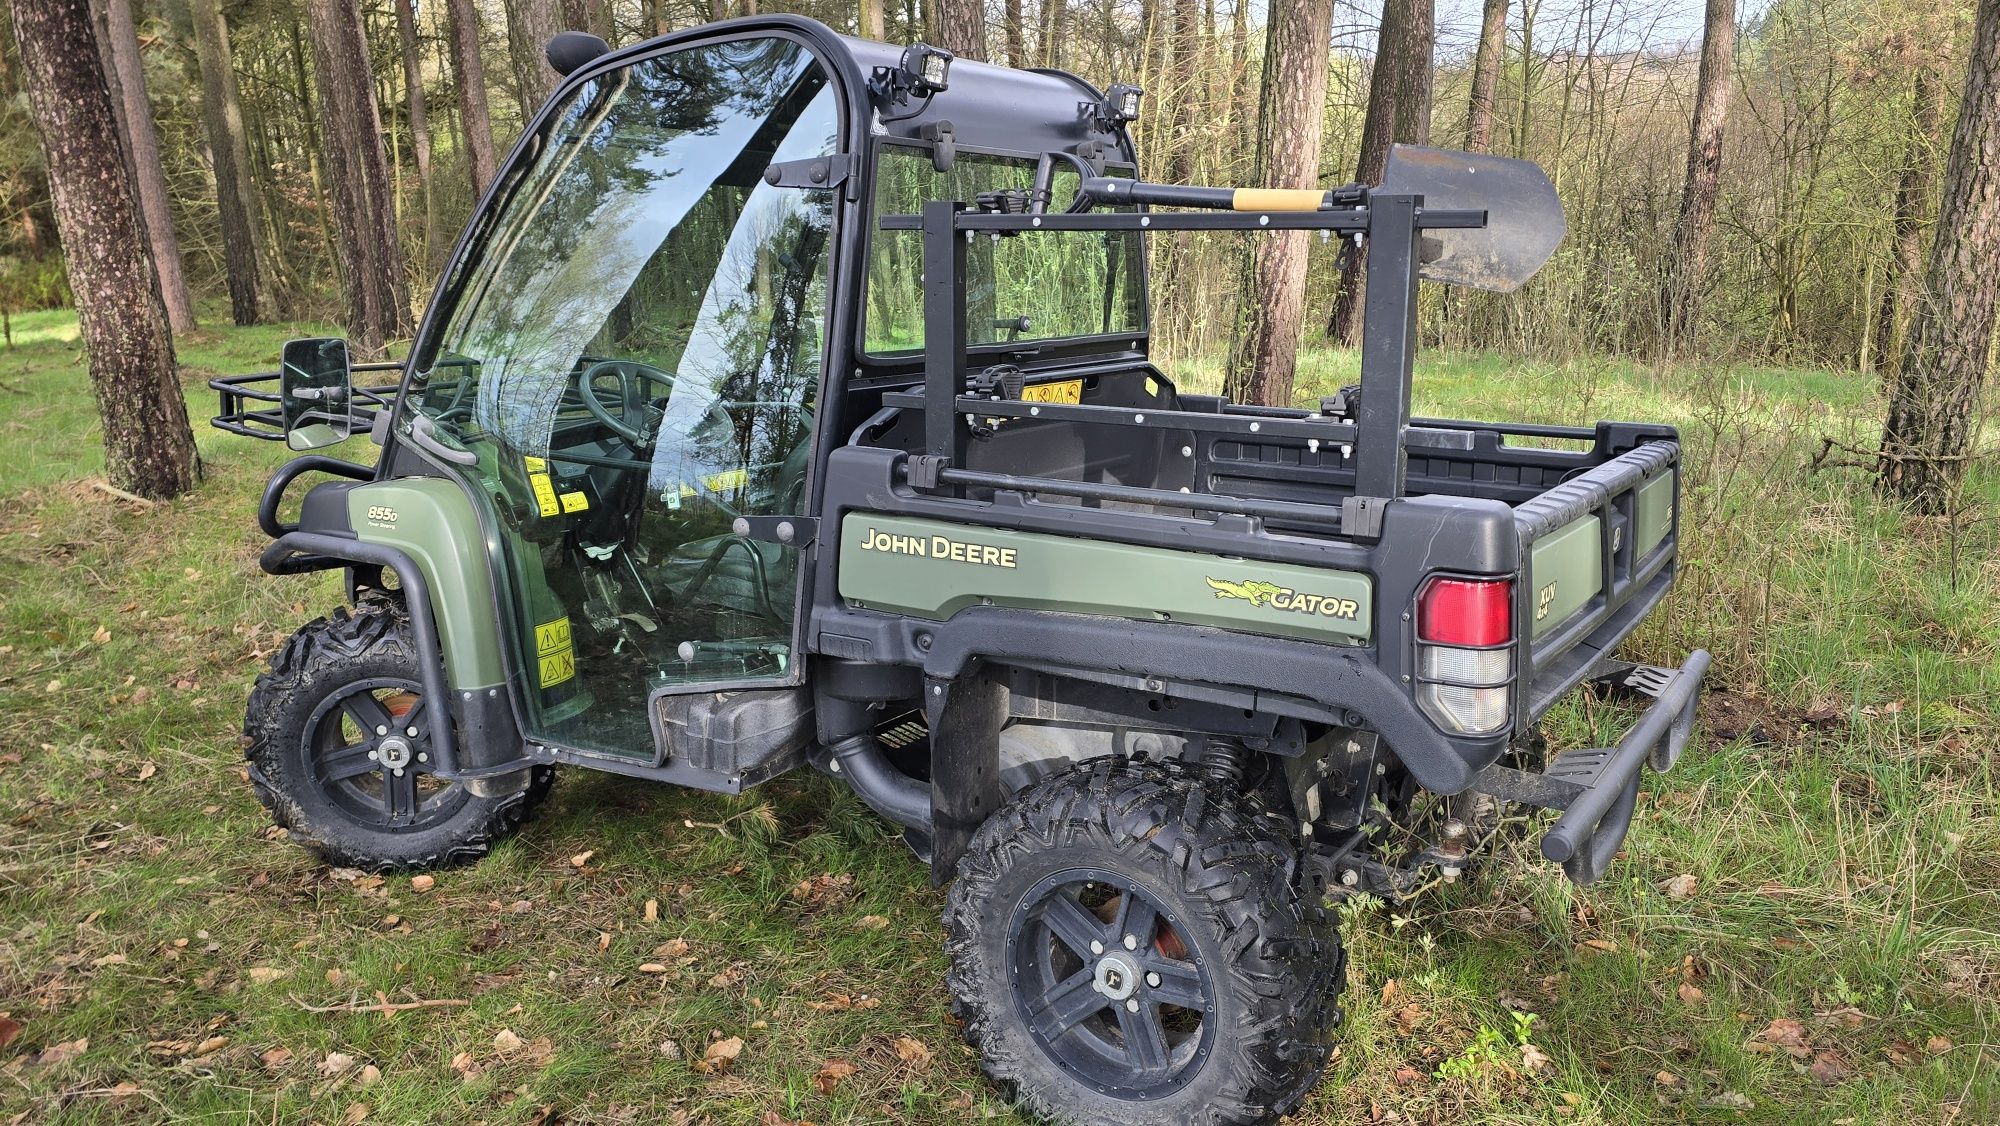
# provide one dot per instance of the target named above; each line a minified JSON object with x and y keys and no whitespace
{"x":1805,"y":927}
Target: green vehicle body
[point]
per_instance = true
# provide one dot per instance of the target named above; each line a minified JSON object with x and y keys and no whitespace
{"x":889,"y":563}
{"x":843,"y":505}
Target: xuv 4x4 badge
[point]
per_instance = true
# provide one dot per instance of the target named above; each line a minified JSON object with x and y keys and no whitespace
{"x":1258,"y":592}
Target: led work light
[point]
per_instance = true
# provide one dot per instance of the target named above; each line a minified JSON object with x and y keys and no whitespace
{"x":923,"y":70}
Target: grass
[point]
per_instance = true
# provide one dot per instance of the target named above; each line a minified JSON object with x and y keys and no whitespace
{"x":1827,"y":855}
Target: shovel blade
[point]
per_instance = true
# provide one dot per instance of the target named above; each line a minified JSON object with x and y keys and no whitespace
{"x":1524,"y":217}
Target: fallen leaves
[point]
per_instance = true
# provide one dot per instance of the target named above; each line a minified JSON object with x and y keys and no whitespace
{"x":63,"y":1052}
{"x":823,"y":890}
{"x":1783,"y":1034}
{"x":1830,"y":1067}
{"x":506,"y":1040}
{"x":265,"y":975}
{"x":1592,"y":947}
{"x":871,"y":922}
{"x":842,"y":1002}
{"x":423,"y":882}
{"x":1679,"y":887}
{"x":9,"y":1029}
{"x":719,"y":1055}
{"x":912,"y":1051}
{"x":831,"y":1073}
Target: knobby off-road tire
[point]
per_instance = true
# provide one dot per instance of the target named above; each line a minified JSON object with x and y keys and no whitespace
{"x":1223,"y":960}
{"x":312,"y":734}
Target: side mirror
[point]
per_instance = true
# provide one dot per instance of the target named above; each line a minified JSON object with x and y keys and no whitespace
{"x":316,"y":389}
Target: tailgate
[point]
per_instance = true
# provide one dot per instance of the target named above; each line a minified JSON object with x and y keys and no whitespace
{"x":1599,"y":551}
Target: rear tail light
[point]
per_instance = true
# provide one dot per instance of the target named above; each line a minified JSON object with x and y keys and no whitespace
{"x":1465,"y":655}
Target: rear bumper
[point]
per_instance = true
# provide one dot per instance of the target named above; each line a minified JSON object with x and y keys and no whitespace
{"x":1597,"y":789}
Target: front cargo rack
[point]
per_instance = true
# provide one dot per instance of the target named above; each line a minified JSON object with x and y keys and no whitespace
{"x":250,"y":405}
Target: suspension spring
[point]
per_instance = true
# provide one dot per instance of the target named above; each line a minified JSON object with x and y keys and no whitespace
{"x":1223,"y":759}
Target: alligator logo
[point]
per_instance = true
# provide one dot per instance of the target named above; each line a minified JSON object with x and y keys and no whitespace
{"x":1256,"y":592}
{"x":1259,"y":593}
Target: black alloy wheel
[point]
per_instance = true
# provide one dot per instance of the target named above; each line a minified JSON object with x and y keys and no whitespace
{"x":1106,"y":985}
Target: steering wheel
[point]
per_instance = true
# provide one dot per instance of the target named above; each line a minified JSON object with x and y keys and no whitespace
{"x":636,"y":420}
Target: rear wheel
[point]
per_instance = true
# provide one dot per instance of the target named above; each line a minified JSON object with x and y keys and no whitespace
{"x":1127,"y":947}
{"x":340,"y":751}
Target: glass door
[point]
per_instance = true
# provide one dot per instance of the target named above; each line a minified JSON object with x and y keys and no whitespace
{"x":633,"y":357}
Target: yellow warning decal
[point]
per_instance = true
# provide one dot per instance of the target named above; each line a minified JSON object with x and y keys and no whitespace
{"x":1061,"y":391}
{"x":545,"y":494}
{"x":553,"y":652}
{"x":536,"y":464}
{"x":575,"y":502}
{"x":551,"y":636}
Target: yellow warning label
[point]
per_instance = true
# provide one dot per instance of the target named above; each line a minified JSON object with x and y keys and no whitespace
{"x":557,"y":667}
{"x":536,"y":464}
{"x":1062,"y":391}
{"x":551,"y":636}
{"x":553,"y":652}
{"x":575,"y":502}
{"x":545,"y":494}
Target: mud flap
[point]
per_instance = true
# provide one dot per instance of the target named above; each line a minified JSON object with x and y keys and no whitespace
{"x":965,"y":716}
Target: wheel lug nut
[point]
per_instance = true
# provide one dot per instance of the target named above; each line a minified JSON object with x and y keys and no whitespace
{"x":1153,"y":980}
{"x":399,"y":772}
{"x":1131,"y":942}
{"x":1096,"y":947}
{"x":411,"y":732}
{"x":1132,"y":1006}
{"x":423,"y":756}
{"x":371,"y":756}
{"x":381,"y":731}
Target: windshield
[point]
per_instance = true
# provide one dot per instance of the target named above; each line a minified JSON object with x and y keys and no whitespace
{"x":1031,"y":287}
{"x":644,"y":233}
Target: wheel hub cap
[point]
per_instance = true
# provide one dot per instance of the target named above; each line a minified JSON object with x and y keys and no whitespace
{"x":393,"y":753}
{"x":1117,"y":977}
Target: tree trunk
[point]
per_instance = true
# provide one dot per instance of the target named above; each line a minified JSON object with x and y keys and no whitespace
{"x":135,"y":120}
{"x":1688,"y":259}
{"x":1010,"y":28}
{"x":530,"y":25}
{"x":222,"y":113}
{"x":1399,"y":112}
{"x":1240,"y":107}
{"x":1934,"y":401}
{"x":149,"y":449}
{"x":1913,"y":190}
{"x":1184,"y":116}
{"x":593,"y":16}
{"x":960,"y":26}
{"x":868,"y":19}
{"x":1486,"y":63}
{"x":1055,"y":46}
{"x":474,"y":119}
{"x":1271,"y":310}
{"x":420,"y":123}
{"x":378,"y":294}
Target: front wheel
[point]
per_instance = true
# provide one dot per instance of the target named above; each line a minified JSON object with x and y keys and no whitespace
{"x":340,"y":751}
{"x":1127,"y":947}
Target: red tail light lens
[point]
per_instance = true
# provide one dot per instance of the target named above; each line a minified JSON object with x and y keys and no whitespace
{"x":1466,"y":612}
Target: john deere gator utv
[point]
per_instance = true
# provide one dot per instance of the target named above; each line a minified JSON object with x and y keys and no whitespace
{"x":788,"y":402}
